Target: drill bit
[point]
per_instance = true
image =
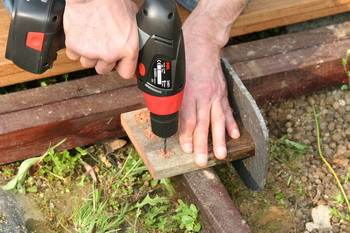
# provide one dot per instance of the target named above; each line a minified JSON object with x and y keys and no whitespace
{"x":165,"y":145}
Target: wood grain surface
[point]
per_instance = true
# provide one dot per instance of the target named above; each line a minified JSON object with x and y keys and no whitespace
{"x":179,"y":162}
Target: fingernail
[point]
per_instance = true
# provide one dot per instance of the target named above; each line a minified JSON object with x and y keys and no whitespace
{"x":235,"y":133}
{"x":221,"y":152}
{"x":201,"y":160}
{"x":188,"y":147}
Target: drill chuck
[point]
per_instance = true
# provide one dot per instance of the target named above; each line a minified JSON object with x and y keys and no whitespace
{"x":164,"y":125}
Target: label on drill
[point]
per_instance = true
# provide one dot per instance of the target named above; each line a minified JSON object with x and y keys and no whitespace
{"x":162,"y":74}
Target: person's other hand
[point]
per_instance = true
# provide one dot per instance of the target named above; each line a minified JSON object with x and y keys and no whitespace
{"x":205,"y":103}
{"x":102,"y":34}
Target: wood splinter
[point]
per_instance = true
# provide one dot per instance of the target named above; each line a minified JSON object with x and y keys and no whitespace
{"x":175,"y":161}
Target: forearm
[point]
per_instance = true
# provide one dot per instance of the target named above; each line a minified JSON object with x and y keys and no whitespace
{"x":213,"y":18}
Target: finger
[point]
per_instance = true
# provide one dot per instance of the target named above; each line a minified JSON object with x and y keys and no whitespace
{"x":200,"y":139}
{"x":88,"y":63}
{"x":126,"y":67}
{"x":188,"y":123}
{"x":218,"y":130}
{"x":103,"y":67}
{"x":72,"y":55}
{"x":231,"y":124}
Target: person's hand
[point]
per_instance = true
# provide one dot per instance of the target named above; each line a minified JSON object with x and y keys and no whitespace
{"x":205,"y":103}
{"x":102,"y":34}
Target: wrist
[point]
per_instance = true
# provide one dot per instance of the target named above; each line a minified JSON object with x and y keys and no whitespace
{"x":213,"y":19}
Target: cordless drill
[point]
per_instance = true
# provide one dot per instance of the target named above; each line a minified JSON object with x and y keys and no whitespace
{"x":36,"y":34}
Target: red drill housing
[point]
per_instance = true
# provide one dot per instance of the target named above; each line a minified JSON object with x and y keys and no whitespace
{"x":161,"y":63}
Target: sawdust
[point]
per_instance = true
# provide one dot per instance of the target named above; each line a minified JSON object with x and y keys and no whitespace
{"x":149,"y":134}
{"x":142,"y":117}
{"x":169,"y":153}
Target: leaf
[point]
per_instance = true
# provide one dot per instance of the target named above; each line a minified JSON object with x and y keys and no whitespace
{"x":90,"y":170}
{"x":152,"y":201}
{"x":197,"y":227}
{"x":298,"y":146}
{"x":116,"y":144}
{"x":33,"y":189}
{"x":17,"y":181}
{"x":21,"y":174}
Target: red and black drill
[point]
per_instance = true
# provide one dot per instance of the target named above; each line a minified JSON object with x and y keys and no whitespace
{"x":36,"y":34}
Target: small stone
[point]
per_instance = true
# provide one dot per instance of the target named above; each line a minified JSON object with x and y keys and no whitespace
{"x":299,"y":214}
{"x":335,"y":105}
{"x":341,"y":149}
{"x":342,"y":102}
{"x":299,"y":112}
{"x":335,"y":229}
{"x":318,"y":181}
{"x":336,"y":137}
{"x":321,"y":218}
{"x":311,"y":100}
{"x":340,"y":162}
{"x":321,"y":202}
{"x":303,"y":179}
{"x":288,"y":124}
{"x":331,"y":126}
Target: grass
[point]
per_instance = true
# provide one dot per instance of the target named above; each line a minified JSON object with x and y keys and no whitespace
{"x":286,"y":151}
{"x":120,"y":197}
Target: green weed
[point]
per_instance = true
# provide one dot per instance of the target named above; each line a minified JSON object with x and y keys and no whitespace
{"x":344,"y":217}
{"x":132,"y":205}
{"x":16,"y":184}
{"x":347,"y":72}
{"x":286,"y":151}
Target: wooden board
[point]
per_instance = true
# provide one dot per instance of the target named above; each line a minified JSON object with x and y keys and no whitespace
{"x":179,"y":162}
{"x":217,"y":213}
{"x":83,"y":112}
{"x":292,"y":65}
{"x":259,"y":15}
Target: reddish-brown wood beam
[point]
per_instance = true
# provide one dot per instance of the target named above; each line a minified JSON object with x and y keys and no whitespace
{"x":292,"y":65}
{"x":82,"y":111}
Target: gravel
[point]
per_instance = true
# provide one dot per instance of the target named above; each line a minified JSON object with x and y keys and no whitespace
{"x":295,"y":118}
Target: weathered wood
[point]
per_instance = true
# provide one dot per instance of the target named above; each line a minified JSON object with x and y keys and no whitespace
{"x":179,"y":162}
{"x":292,"y":65}
{"x":32,"y":120}
{"x":217,"y":213}
{"x":265,"y":14}
{"x":252,"y":170}
{"x":259,"y":15}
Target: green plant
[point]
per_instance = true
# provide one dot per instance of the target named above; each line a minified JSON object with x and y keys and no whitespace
{"x":345,"y":65}
{"x":286,"y":151}
{"x":93,"y":216}
{"x":344,"y":217}
{"x":340,"y":186}
{"x":62,"y":164}
{"x":16,"y":184}
{"x":187,"y":215}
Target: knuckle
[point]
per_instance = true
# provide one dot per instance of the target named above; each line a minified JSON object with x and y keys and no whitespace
{"x":190,"y":122}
